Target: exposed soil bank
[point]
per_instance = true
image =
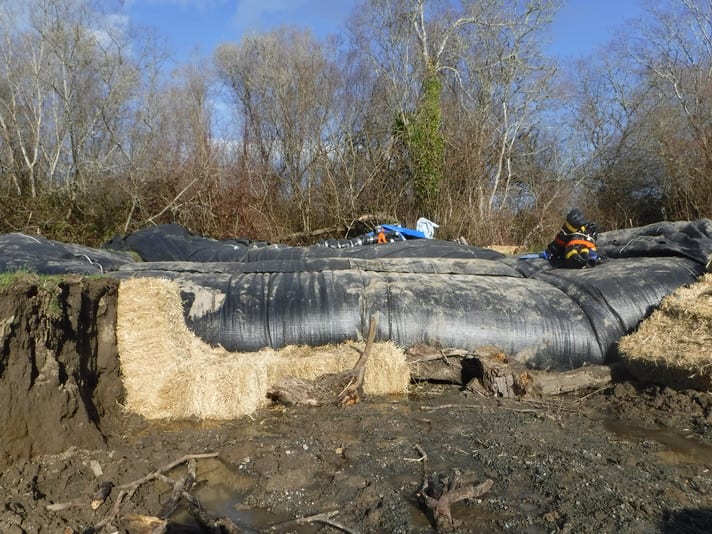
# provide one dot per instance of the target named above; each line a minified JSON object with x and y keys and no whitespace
{"x":624,"y":459}
{"x":59,"y":373}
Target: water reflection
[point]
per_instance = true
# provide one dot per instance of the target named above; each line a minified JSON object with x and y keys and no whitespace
{"x":681,"y":449}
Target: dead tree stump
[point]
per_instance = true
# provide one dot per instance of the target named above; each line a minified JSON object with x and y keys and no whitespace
{"x":497,"y":374}
{"x":437,"y":494}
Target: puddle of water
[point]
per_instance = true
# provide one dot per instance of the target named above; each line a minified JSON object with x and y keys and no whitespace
{"x":220,"y":491}
{"x":680,"y":449}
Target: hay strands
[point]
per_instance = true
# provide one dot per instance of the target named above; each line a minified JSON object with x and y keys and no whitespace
{"x":438,"y":496}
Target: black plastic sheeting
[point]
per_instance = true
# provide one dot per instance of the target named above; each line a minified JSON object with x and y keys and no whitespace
{"x":171,"y":242}
{"x":685,"y":239}
{"x":248,"y":295}
{"x":21,"y":252}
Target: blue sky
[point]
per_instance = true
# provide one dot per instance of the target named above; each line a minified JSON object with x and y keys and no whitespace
{"x":199,"y":25}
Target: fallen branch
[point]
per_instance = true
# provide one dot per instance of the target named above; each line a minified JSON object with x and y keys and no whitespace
{"x":324,"y":518}
{"x":450,"y":407}
{"x":126,"y":491}
{"x":353,"y":392}
{"x":592,"y":393}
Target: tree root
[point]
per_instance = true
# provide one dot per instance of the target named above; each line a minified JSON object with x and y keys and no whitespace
{"x":438,"y":499}
{"x":353,"y":392}
{"x":327,"y":389}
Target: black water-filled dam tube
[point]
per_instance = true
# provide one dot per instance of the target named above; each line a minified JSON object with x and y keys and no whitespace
{"x":247,"y":295}
{"x":557,"y":318}
{"x":248,"y":311}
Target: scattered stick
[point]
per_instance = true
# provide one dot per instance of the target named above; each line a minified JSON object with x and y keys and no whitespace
{"x":180,"y":487}
{"x":423,"y":460}
{"x":128,"y":490}
{"x":450,"y":407}
{"x":594,"y":392}
{"x":324,"y":518}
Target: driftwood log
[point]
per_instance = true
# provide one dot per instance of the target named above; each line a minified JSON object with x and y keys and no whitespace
{"x":488,"y":371}
{"x":339,"y":388}
{"x":427,"y":362}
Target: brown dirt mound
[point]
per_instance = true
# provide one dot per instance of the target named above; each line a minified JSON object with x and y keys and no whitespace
{"x":59,"y":376}
{"x":673,"y":346}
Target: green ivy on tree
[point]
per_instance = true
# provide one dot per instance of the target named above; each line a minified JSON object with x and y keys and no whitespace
{"x":426,"y":145}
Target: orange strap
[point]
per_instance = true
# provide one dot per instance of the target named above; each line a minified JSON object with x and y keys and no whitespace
{"x":583,"y":242}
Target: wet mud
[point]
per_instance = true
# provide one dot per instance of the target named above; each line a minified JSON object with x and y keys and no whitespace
{"x":621,"y":460}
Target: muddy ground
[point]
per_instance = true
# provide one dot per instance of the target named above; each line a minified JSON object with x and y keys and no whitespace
{"x":620,"y":460}
{"x":625,"y":458}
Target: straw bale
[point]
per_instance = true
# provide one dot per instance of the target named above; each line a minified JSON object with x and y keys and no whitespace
{"x":674,"y":345}
{"x":169,"y":372}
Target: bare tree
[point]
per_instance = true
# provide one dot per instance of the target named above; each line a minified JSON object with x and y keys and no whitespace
{"x":467,"y":83}
{"x":675,"y":55}
{"x":643,"y":109}
{"x":27,"y":107}
{"x":285,"y":87}
{"x":70,"y":79}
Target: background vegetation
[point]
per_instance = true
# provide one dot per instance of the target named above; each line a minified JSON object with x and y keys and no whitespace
{"x":447,"y":109}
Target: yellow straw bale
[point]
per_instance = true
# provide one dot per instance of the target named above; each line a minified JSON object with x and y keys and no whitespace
{"x":674,"y":345}
{"x":170,"y":373}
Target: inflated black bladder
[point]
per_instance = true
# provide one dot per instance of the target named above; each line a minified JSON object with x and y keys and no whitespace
{"x":248,"y":295}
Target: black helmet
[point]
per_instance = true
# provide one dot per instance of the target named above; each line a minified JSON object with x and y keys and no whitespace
{"x":576,"y":219}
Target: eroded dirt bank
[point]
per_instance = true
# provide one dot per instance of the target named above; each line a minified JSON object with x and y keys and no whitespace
{"x":628,"y":458}
{"x":59,"y":374}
